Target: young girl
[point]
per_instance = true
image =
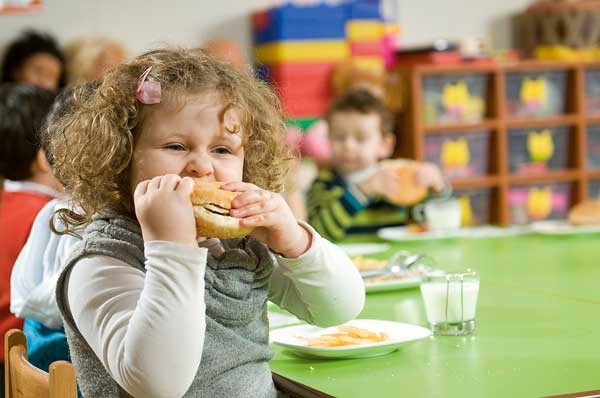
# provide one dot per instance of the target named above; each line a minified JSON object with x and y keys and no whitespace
{"x":150,"y":309}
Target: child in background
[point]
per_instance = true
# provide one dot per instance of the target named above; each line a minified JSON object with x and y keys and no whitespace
{"x":150,"y":309}
{"x":34,"y":58}
{"x":29,"y":183}
{"x":352,"y":197}
{"x":33,"y":280}
{"x":88,"y":60}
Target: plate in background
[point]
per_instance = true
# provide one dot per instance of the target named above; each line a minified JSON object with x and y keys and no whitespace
{"x":399,"y":334}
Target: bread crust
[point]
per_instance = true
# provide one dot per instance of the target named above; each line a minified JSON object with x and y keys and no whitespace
{"x":211,"y":208}
{"x":585,"y":213}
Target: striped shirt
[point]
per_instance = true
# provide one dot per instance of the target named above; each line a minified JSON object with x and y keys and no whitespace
{"x":336,"y":208}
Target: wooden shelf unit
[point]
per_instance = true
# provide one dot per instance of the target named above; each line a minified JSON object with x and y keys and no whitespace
{"x":412,"y":129}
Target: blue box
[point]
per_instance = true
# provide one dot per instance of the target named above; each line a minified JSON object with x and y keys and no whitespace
{"x":294,"y":22}
{"x":366,"y":9}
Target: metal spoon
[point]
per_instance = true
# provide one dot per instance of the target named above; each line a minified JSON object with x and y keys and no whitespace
{"x":397,"y":264}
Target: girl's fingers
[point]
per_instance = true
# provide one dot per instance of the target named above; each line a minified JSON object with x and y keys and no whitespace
{"x":239,"y":186}
{"x":169,"y":182}
{"x":154,"y":184}
{"x":262,"y":206}
{"x":141,"y":188}
{"x":249,"y":197}
{"x":185,"y":186}
{"x":259,"y":220}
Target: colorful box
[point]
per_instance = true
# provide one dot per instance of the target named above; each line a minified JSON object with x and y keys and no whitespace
{"x":302,"y":51}
{"x":475,"y":206}
{"x":593,"y":146}
{"x":454,"y":98}
{"x":301,"y":79}
{"x":538,"y":150}
{"x":537,"y":202}
{"x":459,"y":155}
{"x":368,"y":48}
{"x":300,"y":22}
{"x":303,"y":107}
{"x":364,"y":30}
{"x":535,"y":94}
{"x":302,"y":124}
{"x":364,"y":9}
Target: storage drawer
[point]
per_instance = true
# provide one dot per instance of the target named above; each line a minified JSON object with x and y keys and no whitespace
{"x":459,"y":155}
{"x":539,"y":150}
{"x":539,"y":202}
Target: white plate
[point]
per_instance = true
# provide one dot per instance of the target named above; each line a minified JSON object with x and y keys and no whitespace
{"x":403,"y":234}
{"x":559,"y":227}
{"x":491,"y":231}
{"x":399,"y":334}
{"x":394,"y":284}
{"x":484,"y":231}
{"x":360,"y":249}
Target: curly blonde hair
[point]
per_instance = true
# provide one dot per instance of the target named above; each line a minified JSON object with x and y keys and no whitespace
{"x":93,"y":145}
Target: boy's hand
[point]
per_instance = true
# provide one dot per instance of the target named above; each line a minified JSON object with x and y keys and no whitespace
{"x":164,"y":209}
{"x":385,"y":182}
{"x":430,"y":175}
{"x":275,"y":223}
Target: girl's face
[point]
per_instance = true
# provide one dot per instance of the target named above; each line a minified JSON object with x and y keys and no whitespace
{"x":40,"y":69}
{"x":190,"y":141}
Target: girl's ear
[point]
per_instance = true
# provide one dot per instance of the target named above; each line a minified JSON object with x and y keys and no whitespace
{"x":388,"y":145}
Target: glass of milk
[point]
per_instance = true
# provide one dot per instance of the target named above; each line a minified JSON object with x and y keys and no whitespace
{"x":450,"y":301}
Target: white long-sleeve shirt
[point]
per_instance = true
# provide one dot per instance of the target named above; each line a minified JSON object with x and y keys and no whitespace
{"x":141,"y":325}
{"x":34,"y":275}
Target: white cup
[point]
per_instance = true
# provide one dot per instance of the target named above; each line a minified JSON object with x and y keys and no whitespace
{"x":438,"y":214}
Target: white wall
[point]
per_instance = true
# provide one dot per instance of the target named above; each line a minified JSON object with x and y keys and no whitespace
{"x":145,"y":24}
{"x":426,"y":20}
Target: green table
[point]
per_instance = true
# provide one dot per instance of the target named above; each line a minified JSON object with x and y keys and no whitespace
{"x":538,"y":327}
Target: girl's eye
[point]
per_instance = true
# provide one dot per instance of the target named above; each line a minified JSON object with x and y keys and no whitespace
{"x":222,"y":150}
{"x":175,"y":147}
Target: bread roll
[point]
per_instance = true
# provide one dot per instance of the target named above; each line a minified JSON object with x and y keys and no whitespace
{"x":211,"y":209}
{"x":585,"y":213}
{"x":412,"y":192}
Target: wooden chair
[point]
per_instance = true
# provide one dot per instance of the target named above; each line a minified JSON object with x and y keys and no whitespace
{"x":23,"y":380}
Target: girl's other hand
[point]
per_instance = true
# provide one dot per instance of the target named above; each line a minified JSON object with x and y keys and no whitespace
{"x":164,"y":209}
{"x":275,"y":223}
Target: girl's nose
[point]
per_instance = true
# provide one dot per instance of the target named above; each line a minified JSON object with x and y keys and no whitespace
{"x":199,"y":166}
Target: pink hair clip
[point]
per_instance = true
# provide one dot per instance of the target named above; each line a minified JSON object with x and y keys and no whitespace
{"x":147,"y":92}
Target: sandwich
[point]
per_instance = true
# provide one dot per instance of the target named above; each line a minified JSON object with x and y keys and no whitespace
{"x":211,"y":210}
{"x":411,"y":191}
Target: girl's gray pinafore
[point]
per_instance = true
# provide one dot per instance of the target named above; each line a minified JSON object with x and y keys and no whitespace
{"x":236,"y":346}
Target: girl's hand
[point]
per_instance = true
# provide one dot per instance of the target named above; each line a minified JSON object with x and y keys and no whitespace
{"x":275,"y":223}
{"x":164,"y":209}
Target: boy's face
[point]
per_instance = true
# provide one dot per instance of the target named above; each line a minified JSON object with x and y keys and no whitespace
{"x":189,"y":141}
{"x":357,"y":141}
{"x":40,"y":69}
